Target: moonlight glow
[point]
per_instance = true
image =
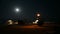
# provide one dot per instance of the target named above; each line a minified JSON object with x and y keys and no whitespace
{"x":17,"y":9}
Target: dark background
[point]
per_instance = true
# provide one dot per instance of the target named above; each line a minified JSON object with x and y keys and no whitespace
{"x":29,"y":8}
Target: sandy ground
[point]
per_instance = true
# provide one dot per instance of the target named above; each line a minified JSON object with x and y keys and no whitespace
{"x":29,"y":29}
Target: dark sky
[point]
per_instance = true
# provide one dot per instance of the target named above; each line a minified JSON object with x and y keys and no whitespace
{"x":28,"y":8}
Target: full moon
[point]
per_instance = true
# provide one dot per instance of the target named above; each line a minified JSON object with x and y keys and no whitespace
{"x":17,"y":9}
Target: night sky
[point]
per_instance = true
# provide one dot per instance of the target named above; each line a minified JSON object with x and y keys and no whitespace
{"x":28,"y":9}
